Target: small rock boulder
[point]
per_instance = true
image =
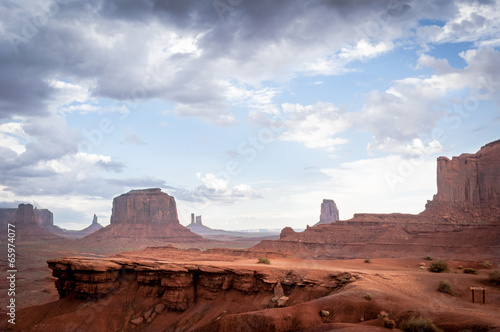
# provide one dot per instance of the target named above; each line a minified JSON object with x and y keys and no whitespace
{"x":278,"y":290}
{"x":148,"y":313}
{"x":159,"y":308}
{"x":137,"y":321}
{"x":282,"y":301}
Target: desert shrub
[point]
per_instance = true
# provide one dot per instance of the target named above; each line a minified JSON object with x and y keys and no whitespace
{"x":418,"y":324}
{"x":343,"y":281}
{"x":439,"y":266}
{"x":428,"y":258}
{"x":389,"y":323}
{"x":487,"y":264}
{"x":367,"y":260}
{"x":460,"y":267}
{"x":264,"y":260}
{"x":368,"y":296}
{"x":445,"y":287}
{"x":495,"y":278}
{"x":470,"y":270}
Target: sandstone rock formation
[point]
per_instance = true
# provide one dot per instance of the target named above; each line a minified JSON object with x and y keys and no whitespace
{"x":329,"y":212}
{"x":468,"y":187}
{"x":31,"y":224}
{"x":462,"y":218}
{"x":195,"y":220}
{"x":146,"y":216}
{"x":161,"y":291}
{"x":144,"y":206}
{"x":470,"y":179}
{"x":25,"y":215}
{"x":44,"y":218}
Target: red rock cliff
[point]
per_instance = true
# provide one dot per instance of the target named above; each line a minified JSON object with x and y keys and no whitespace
{"x":25,"y":215}
{"x":144,"y":206}
{"x":471,"y":180}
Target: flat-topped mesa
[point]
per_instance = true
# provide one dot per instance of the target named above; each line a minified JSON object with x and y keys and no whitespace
{"x":470,"y":180}
{"x":143,"y":217}
{"x":144,"y":206}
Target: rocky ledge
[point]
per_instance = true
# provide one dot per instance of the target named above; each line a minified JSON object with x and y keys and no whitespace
{"x":179,"y":286}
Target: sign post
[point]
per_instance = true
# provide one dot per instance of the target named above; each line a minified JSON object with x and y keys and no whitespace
{"x":479,"y":289}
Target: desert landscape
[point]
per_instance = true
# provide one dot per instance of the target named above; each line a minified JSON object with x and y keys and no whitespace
{"x":249,"y":165}
{"x":146,"y":272}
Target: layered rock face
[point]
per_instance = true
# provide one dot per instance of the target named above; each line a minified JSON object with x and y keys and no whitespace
{"x":468,"y":188}
{"x":25,"y":215}
{"x":181,"y":286}
{"x":470,"y":179}
{"x":144,"y":206}
{"x":44,"y":217}
{"x":329,"y":212}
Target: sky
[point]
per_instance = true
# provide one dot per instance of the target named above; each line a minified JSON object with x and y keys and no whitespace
{"x":249,"y":113}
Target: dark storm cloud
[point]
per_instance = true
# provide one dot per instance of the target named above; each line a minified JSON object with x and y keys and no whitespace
{"x":110,"y":41}
{"x":54,"y":140}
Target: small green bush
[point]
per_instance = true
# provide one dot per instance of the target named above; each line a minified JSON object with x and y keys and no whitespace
{"x":368,"y":296}
{"x":439,"y":266}
{"x":495,"y":278}
{"x":418,"y":324}
{"x":344,"y":281}
{"x":470,"y":270}
{"x":445,"y":287}
{"x":428,"y":258}
{"x":264,"y":260}
{"x":367,"y":260}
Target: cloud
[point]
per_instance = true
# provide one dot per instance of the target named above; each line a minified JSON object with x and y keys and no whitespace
{"x":208,"y":112}
{"x":372,"y":185}
{"x":337,"y":63}
{"x":216,"y":189}
{"x":315,"y":126}
{"x":475,"y":22}
{"x":182,"y":51}
{"x":131,"y":138}
{"x":415,"y":149}
{"x":413,"y":106}
{"x":138,"y":182}
{"x":111,"y":166}
{"x":36,"y":140}
{"x":71,"y":174}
